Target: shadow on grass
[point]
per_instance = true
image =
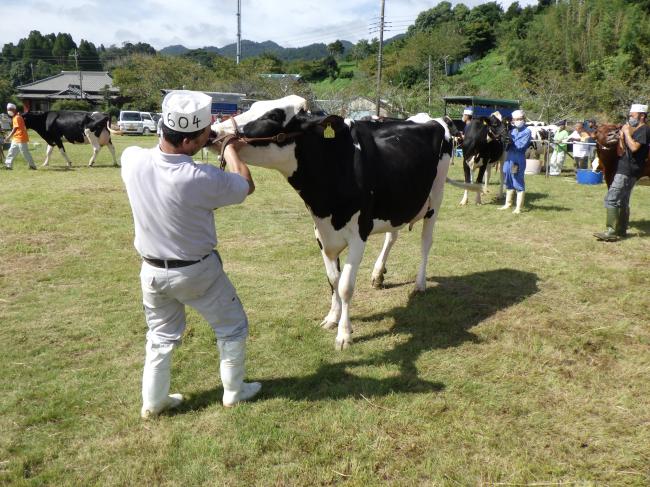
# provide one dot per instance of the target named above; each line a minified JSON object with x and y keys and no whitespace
{"x":531,"y":202}
{"x":57,"y":168}
{"x":439,"y":318}
{"x":642,"y":225}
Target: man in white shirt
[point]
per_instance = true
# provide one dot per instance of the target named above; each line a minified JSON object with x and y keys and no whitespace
{"x":580,"y":146}
{"x":173,"y":202}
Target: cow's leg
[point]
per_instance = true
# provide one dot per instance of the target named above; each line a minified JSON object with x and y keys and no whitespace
{"x":480,"y":179}
{"x":111,"y":148}
{"x":333,"y":270}
{"x":346,"y":290}
{"x":48,"y":151}
{"x":468,"y":179}
{"x":436,"y":195}
{"x":486,"y":181}
{"x":332,"y":267}
{"x":65,"y":156}
{"x":380,"y":265}
{"x":94,"y":141}
{"x":427,"y":240}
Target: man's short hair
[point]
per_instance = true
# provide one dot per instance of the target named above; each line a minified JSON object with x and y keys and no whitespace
{"x":176,"y":138}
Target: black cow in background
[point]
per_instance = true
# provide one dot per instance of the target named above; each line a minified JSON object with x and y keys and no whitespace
{"x":484,"y":146}
{"x":76,"y":127}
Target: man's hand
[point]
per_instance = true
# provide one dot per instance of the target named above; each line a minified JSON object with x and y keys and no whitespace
{"x":515,"y":169}
{"x":236,"y":165}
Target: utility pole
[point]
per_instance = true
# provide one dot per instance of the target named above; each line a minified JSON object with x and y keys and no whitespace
{"x":238,"y":31}
{"x":31,"y":65}
{"x":379,"y":56}
{"x":81,"y":86}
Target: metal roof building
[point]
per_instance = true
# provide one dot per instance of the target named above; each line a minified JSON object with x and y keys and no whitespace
{"x":67,"y":85}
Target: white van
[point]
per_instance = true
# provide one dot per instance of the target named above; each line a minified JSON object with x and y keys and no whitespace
{"x":132,"y":122}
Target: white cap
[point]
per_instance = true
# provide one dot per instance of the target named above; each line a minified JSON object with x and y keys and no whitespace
{"x":518,"y":114}
{"x":638,"y":108}
{"x":468,"y":111}
{"x":186,"y":111}
{"x":11,"y":106}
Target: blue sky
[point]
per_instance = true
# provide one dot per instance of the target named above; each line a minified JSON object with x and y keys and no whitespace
{"x":199,"y":23}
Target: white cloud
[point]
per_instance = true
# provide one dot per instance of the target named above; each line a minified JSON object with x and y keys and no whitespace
{"x":199,"y":23}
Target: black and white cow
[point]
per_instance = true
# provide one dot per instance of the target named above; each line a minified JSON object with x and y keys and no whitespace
{"x":76,"y":128}
{"x":541,"y":136}
{"x":484,"y":146}
{"x":356,"y":180}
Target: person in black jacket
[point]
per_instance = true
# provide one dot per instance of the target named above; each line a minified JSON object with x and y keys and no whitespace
{"x":633,"y":151}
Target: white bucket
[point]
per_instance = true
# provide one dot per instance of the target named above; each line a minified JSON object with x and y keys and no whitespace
{"x":533,"y":166}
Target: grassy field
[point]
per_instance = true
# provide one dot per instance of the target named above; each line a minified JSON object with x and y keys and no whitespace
{"x":526,"y":361}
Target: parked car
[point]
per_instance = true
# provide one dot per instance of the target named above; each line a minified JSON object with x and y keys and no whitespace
{"x":132,"y":122}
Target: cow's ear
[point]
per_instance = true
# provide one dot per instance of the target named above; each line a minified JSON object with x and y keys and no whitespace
{"x":331,"y":125}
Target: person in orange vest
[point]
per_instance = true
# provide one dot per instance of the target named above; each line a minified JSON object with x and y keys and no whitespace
{"x":18,"y":137}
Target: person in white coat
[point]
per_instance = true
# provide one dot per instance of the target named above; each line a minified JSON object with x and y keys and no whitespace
{"x":173,"y":201}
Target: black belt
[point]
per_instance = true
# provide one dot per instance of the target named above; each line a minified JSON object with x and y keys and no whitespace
{"x":172,"y":264}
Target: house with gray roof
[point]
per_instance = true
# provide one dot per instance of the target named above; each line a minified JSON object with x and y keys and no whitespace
{"x":67,"y":85}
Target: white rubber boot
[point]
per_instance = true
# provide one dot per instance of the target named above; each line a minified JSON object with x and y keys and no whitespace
{"x":235,"y":390}
{"x":155,"y":381}
{"x":520,"y":202}
{"x":510,"y":195}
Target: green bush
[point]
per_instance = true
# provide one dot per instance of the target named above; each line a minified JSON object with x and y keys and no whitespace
{"x":72,"y":105}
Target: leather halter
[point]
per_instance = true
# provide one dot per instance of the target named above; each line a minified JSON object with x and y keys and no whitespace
{"x":228,"y":138}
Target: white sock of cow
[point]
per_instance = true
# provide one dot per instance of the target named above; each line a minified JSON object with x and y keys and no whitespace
{"x":510,"y":195}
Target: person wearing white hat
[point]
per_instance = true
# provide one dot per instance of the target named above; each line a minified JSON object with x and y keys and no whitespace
{"x":173,"y":201}
{"x":633,"y":147}
{"x":19,"y":139}
{"x":514,"y":166}
{"x":468,"y":115}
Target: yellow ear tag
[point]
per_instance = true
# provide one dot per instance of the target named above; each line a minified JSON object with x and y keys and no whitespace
{"x":328,"y":133}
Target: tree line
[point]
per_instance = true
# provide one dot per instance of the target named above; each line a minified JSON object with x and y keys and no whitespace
{"x":567,"y":58}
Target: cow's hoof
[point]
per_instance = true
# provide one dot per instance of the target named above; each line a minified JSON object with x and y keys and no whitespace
{"x":343,"y":342}
{"x":420,"y":288}
{"x":378,"y":281}
{"x":462,"y":203}
{"x":329,"y":325}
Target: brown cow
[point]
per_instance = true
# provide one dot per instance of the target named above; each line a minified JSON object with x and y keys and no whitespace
{"x":607,"y":136}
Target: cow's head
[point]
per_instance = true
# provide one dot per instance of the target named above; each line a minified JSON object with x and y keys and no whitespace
{"x":607,"y":135}
{"x":497,"y":129}
{"x":288,"y":106}
{"x":273,"y":136}
{"x":33,"y":119}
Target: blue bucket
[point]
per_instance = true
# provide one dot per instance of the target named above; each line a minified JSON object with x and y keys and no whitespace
{"x":587,"y":176}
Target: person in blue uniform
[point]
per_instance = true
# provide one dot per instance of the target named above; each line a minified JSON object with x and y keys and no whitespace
{"x":515,"y":164}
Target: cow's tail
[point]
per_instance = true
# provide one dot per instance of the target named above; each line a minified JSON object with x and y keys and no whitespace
{"x":113,"y":132}
{"x":478,"y":188}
